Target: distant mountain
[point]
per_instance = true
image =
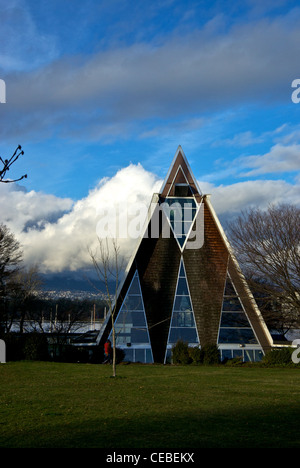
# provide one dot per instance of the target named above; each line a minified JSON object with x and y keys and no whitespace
{"x":73,"y":281}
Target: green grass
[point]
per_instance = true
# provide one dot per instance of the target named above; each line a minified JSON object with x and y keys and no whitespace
{"x":81,"y":405}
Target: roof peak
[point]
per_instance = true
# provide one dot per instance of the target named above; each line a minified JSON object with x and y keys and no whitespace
{"x":179,"y":173}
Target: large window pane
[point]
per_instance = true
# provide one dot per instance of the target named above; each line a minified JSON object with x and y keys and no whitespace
{"x":138,"y":319}
{"x":229,"y":289}
{"x":140,"y":355}
{"x":135,"y":287}
{"x":123,"y":339}
{"x":123,"y":328}
{"x":124,"y":318}
{"x":149,"y":358}
{"x":234,"y":319}
{"x":248,"y":355}
{"x":232,"y":303}
{"x":185,"y":334}
{"x":139,"y":336}
{"x":226,"y":354}
{"x":128,"y":354}
{"x":133,"y":303}
{"x":181,"y":271}
{"x":237,"y":335}
{"x":183,"y":319}
{"x":182,"y":289}
{"x":182,"y":303}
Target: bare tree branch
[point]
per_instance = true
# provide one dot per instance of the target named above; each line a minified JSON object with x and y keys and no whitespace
{"x":108,"y":265}
{"x":7,"y":163}
{"x":267,"y":244}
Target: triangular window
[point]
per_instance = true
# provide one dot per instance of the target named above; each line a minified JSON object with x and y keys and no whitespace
{"x":131,"y":326}
{"x":183,"y":326}
{"x":235,"y":327}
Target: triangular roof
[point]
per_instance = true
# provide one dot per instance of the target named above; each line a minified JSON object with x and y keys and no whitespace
{"x":180,"y":173}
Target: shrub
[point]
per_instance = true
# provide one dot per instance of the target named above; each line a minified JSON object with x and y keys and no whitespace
{"x":282,"y":356}
{"x":29,"y":346}
{"x":71,"y":353}
{"x":35,"y":347}
{"x":180,"y":353}
{"x":211,"y":354}
{"x":14,"y":346}
{"x":237,"y":361}
{"x":196,"y":355}
{"x":183,"y":354}
{"x":98,"y":355}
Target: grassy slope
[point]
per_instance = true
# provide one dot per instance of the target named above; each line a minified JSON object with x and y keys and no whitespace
{"x":80,"y":405}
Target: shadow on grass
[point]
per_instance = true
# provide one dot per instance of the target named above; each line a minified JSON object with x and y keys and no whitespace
{"x":254,"y":429}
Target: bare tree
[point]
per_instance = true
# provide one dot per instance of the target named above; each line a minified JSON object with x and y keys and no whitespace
{"x":10,"y":262}
{"x":26,"y":284}
{"x":108,"y":265}
{"x":267,"y":244}
{"x":7,"y":163}
{"x":10,"y":257}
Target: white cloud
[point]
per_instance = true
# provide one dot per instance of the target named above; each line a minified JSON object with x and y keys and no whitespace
{"x":56,"y":233}
{"x":283,"y":157}
{"x":21,"y":209}
{"x":248,"y":138}
{"x":62,"y":243}
{"x":279,"y":159}
{"x":230,"y":200}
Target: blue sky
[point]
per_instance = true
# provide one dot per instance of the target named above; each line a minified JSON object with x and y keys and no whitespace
{"x":100,"y":88}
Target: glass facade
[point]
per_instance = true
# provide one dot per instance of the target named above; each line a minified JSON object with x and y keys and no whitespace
{"x":234,"y":325}
{"x":236,"y":336}
{"x":131,"y":326}
{"x":183,"y":325}
{"x":181,"y":212}
{"x":244,"y":354}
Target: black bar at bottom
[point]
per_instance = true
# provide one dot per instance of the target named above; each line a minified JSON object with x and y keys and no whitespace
{"x":140,"y":457}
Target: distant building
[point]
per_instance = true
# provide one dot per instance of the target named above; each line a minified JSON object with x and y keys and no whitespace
{"x":185,"y":283}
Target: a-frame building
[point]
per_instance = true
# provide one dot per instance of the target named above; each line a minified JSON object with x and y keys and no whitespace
{"x":183,"y":282}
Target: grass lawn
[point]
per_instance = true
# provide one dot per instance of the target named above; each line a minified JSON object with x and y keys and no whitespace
{"x":44,"y":404}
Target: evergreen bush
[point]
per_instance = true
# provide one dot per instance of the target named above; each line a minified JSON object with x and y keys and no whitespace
{"x":196,"y":355}
{"x":180,"y":353}
{"x":211,"y":354}
{"x":282,"y":356}
{"x":183,"y":354}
